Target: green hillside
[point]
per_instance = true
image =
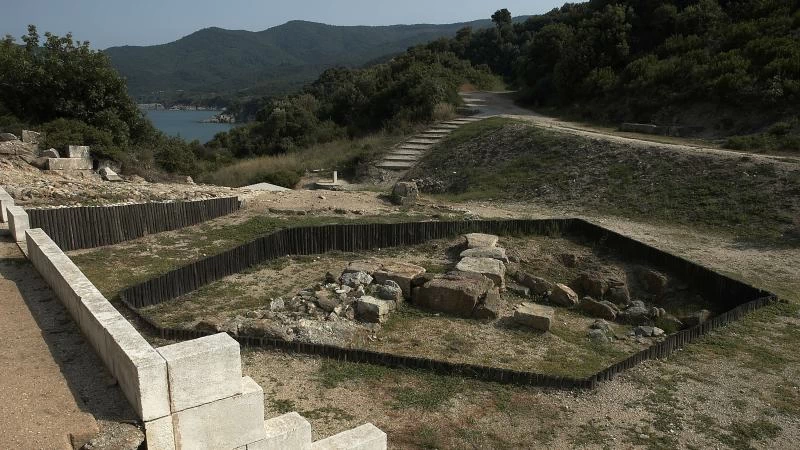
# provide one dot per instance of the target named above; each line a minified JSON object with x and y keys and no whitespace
{"x":274,"y":61}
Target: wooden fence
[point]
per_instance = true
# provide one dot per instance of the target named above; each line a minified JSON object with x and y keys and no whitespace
{"x":83,"y":227}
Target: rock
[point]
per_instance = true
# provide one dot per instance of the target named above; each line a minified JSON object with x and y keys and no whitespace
{"x":498,"y":253}
{"x":669,"y":323}
{"x":356,"y":279}
{"x":30,"y":137}
{"x":635,"y":315}
{"x":601,"y":324}
{"x":698,"y":318}
{"x":109,"y":175}
{"x":490,"y":307}
{"x":598,"y":336}
{"x":455,"y":293}
{"x":399,"y":272}
{"x":388,"y":291}
{"x":488,"y":267}
{"x":520,"y":290}
{"x":644,"y":331}
{"x":405,"y":193}
{"x":653,"y":282}
{"x":78,"y":151}
{"x":50,"y":153}
{"x":265,"y":328}
{"x":591,"y":284}
{"x":367,"y":266}
{"x":568,"y":259}
{"x":330,"y":278}
{"x":326,"y":301}
{"x":421,"y":279}
{"x":535,"y":316}
{"x":188,"y":180}
{"x":593,"y":308}
{"x":563,"y":296}
{"x":478,"y":240}
{"x":277,"y":305}
{"x":654,"y":312}
{"x":8,"y":137}
{"x":538,"y":286}
{"x":619,"y":295}
{"x":372,"y":310}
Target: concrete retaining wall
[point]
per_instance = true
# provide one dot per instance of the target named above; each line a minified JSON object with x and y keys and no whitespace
{"x":190,"y":395}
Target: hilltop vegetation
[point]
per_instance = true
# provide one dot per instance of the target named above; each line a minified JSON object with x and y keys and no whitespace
{"x":732,"y":67}
{"x":276,"y":61}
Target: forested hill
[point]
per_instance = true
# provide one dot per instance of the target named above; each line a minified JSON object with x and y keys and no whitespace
{"x":273,"y":61}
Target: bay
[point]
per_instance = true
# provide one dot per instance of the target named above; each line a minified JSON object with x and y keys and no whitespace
{"x":187,"y":124}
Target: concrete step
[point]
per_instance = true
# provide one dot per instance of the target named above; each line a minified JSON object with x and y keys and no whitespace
{"x":396,"y":165}
{"x":437,"y":132}
{"x":423,"y":141}
{"x":416,"y":147}
{"x":365,"y":437}
{"x":403,"y":151}
{"x":286,"y":431}
{"x":394,"y":157}
{"x":448,"y":126}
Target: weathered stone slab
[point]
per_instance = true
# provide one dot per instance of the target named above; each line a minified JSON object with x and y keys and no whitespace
{"x":202,"y":370}
{"x":399,"y":272}
{"x":498,"y":253}
{"x":535,"y":316}
{"x":373,"y":310}
{"x":159,"y":434}
{"x":368,"y":266}
{"x":476,"y":240}
{"x":458,"y":294}
{"x":50,"y":153}
{"x":562,"y":295}
{"x":224,"y":424}
{"x":5,"y":201}
{"x":109,"y":175}
{"x":18,"y":222}
{"x":78,"y":151}
{"x":490,"y":268}
{"x":289,"y":431}
{"x":365,"y":437}
{"x":30,"y":137}
{"x":69,"y":164}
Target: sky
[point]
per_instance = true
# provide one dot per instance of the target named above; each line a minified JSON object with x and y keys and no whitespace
{"x":108,"y":23}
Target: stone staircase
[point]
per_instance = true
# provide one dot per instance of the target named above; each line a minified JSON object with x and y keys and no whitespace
{"x":406,"y":155}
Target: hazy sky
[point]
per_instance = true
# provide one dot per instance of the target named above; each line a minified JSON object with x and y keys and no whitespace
{"x":107,"y":23}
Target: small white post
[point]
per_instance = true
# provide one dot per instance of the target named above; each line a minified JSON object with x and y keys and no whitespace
{"x":335,"y":177}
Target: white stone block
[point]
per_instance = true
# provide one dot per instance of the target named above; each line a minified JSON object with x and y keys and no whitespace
{"x":365,"y":437}
{"x":5,"y":201}
{"x":159,"y":434}
{"x":224,"y":424}
{"x":17,"y":222}
{"x":78,"y":151}
{"x":69,"y":164}
{"x":202,"y":370}
{"x":289,"y":431}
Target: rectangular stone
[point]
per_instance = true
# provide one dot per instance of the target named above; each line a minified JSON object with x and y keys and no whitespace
{"x":5,"y":201}
{"x":17,"y":222}
{"x":202,"y":370}
{"x":159,"y":434}
{"x":78,"y":151}
{"x":289,"y":431}
{"x":365,"y":437}
{"x":69,"y":164}
{"x":30,"y":137}
{"x":228,"y":423}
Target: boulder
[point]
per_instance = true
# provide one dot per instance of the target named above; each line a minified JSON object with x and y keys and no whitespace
{"x":598,"y":336}
{"x":601,"y":324}
{"x":490,"y":307}
{"x":356,"y":279}
{"x":8,"y":137}
{"x":498,"y":253}
{"x":488,"y":267}
{"x":455,"y":293}
{"x":620,"y":295}
{"x":568,"y":259}
{"x":399,"y":272}
{"x":635,"y":315}
{"x":653,"y":282}
{"x":535,"y":316}
{"x":421,"y":279}
{"x":520,"y":290}
{"x":372,"y":310}
{"x":669,"y":323}
{"x":405,"y":193}
{"x":389,"y":291}
{"x":591,"y":284}
{"x":563,"y":296}
{"x":326,"y":301}
{"x":538,"y":286}
{"x":50,"y":153}
{"x":109,"y":175}
{"x":368,"y":266}
{"x":480,"y":240}
{"x":593,"y":308}
{"x":30,"y":137}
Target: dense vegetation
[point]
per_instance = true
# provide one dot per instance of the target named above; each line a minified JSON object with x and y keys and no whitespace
{"x":278,"y":61}
{"x":732,"y":66}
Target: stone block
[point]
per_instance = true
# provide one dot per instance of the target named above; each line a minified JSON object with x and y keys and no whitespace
{"x":17,"y":222}
{"x":289,"y":431}
{"x":5,"y":201}
{"x":224,"y":424}
{"x":69,"y":164}
{"x":159,"y":434}
{"x":490,"y":268}
{"x":373,"y":310}
{"x":399,"y":272}
{"x":202,"y":370}
{"x":498,"y":253}
{"x":78,"y":151}
{"x":477,"y":240}
{"x":109,"y":175}
{"x":365,"y":437}
{"x":30,"y":137}
{"x":534,"y":316}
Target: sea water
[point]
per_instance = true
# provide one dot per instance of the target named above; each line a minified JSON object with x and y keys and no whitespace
{"x":187,"y":124}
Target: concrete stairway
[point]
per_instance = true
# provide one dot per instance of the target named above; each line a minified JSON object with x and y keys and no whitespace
{"x":407,"y":155}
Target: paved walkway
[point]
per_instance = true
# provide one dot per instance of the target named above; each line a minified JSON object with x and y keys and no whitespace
{"x":47,"y":371}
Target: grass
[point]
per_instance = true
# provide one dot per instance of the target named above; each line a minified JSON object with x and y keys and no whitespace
{"x":505,"y":159}
{"x":344,"y":155}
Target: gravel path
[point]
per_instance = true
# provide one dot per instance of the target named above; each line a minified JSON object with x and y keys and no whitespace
{"x":52,"y":385}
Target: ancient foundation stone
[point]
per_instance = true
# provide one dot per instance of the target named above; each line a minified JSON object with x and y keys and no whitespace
{"x":535,"y":316}
{"x":399,"y":272}
{"x":289,"y":431}
{"x":488,"y":267}
{"x":563,"y":296}
{"x":78,"y":151}
{"x":69,"y":164}
{"x":477,"y":240}
{"x":18,"y":222}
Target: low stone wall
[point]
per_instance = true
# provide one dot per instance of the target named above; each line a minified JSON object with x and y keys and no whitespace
{"x":190,"y":395}
{"x":5,"y":201}
{"x":17,"y":222}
